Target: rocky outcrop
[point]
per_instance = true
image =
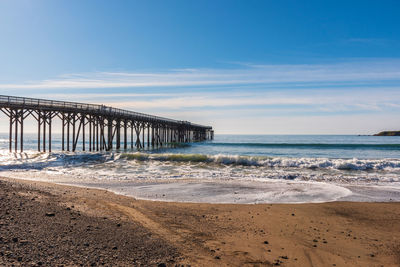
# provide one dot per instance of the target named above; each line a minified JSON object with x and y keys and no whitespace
{"x":388,"y":133}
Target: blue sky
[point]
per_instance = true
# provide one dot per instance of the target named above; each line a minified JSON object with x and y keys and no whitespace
{"x":250,"y":67}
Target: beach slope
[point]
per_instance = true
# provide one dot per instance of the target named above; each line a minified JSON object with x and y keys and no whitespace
{"x":49,"y":225}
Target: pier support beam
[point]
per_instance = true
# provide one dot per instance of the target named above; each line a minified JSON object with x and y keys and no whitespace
{"x":148,"y":135}
{"x":50,"y":117}
{"x":110,"y":134}
{"x":138,"y":129}
{"x":118,"y":129}
{"x":125,"y":135}
{"x":132,"y":127}
{"x":83,"y":131}
{"x":90,"y":132}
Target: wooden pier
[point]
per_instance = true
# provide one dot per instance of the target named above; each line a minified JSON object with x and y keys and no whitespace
{"x":98,"y":127}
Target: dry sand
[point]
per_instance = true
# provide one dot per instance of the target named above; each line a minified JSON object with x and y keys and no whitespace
{"x":53,"y":225}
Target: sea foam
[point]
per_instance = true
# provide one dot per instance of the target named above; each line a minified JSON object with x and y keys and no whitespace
{"x":273,"y":162}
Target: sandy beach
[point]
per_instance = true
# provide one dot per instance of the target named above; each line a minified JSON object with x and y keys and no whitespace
{"x":44,"y":224}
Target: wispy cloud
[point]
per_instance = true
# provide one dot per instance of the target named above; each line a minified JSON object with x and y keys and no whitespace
{"x":369,"y":41}
{"x":312,"y":100}
{"x":376,"y":70}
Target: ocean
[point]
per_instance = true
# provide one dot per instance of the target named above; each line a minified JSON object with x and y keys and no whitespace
{"x":228,"y":169}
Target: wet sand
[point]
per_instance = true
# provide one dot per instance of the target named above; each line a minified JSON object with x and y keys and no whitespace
{"x":44,"y":224}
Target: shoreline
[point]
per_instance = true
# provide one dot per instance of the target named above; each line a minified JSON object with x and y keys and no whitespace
{"x":228,"y":191}
{"x":199,"y":234}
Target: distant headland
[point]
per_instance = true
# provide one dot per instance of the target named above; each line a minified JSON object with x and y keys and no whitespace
{"x":388,"y":133}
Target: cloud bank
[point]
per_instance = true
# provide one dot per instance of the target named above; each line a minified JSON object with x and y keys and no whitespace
{"x":348,"y":72}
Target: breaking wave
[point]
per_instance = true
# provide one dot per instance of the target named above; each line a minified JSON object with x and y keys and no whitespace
{"x":39,"y":160}
{"x":272,"y":162}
